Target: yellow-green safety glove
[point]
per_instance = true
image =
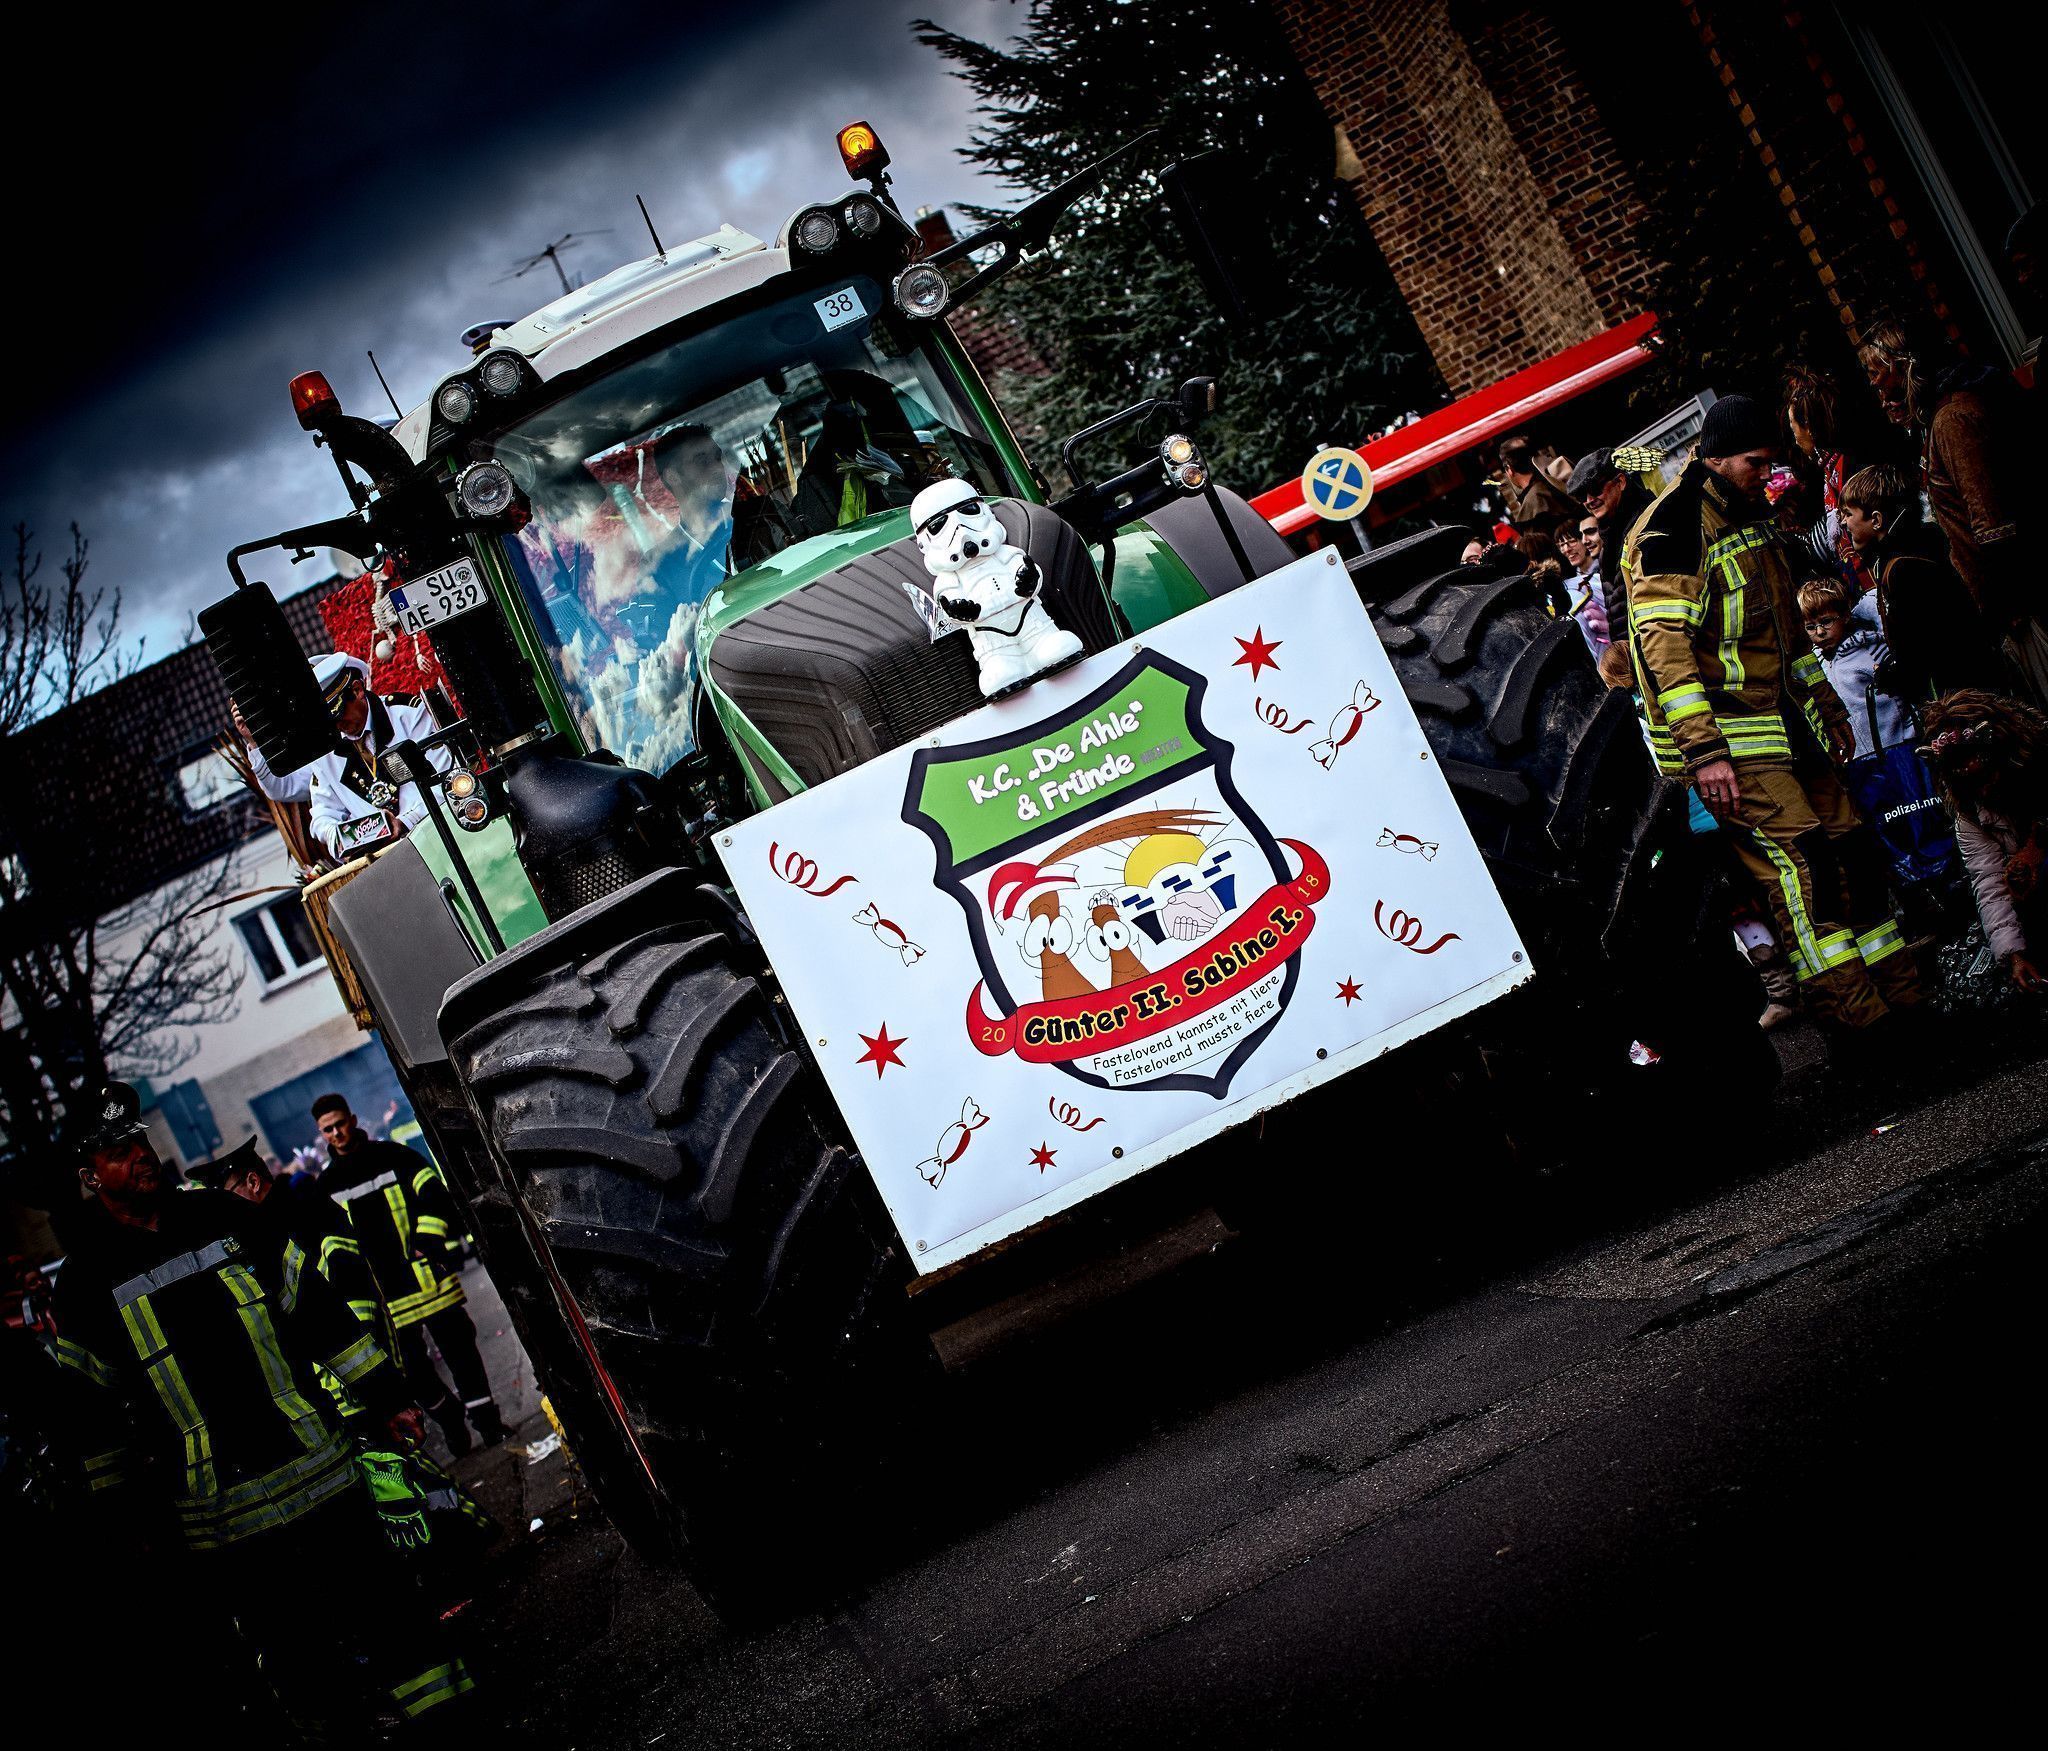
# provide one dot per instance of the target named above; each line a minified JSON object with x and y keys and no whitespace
{"x":401,"y":1503}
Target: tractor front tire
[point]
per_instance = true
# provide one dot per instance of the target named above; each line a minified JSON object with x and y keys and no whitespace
{"x":726,"y":1270}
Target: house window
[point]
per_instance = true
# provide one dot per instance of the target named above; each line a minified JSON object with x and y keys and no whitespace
{"x":279,"y":940}
{"x":206,"y":779}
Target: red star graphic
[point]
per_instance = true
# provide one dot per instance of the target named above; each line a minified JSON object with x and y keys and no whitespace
{"x":1257,"y":652}
{"x":881,"y":1050}
{"x":1041,"y":1157}
{"x":1349,"y":992}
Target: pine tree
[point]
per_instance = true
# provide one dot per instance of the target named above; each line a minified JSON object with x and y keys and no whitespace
{"x":1116,"y":304}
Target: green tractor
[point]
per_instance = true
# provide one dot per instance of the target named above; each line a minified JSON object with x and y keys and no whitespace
{"x":659,"y":533}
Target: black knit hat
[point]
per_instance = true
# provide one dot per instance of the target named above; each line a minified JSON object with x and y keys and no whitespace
{"x":1735,"y":425}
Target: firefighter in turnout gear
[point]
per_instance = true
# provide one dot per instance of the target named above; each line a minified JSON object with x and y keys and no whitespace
{"x":1738,"y":705}
{"x":188,"y":1355}
{"x":406,"y":1222}
{"x":310,"y":1229}
{"x":313,"y":1232}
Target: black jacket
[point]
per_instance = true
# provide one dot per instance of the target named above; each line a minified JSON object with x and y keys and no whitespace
{"x":1938,"y":638}
{"x":1614,"y":527}
{"x":190,"y":1353}
{"x":406,"y":1223}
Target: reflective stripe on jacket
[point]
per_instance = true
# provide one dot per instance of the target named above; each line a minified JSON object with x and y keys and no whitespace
{"x":405,"y":1221}
{"x":1716,"y":635}
{"x":185,"y":1357}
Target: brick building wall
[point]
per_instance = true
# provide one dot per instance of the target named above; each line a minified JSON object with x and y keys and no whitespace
{"x":1489,"y":180}
{"x":1588,"y":186}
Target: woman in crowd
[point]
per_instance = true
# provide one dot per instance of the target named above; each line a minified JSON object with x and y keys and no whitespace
{"x":1937,"y":638}
{"x":1812,"y":410}
{"x":1977,"y":470}
{"x":1991,"y":756}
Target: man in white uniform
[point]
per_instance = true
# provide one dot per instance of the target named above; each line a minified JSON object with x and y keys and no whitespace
{"x":355,"y":803}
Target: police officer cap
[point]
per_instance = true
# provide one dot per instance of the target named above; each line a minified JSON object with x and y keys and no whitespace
{"x":1737,"y":424}
{"x":1596,"y":468}
{"x":245,"y":1157}
{"x":114,"y":1116}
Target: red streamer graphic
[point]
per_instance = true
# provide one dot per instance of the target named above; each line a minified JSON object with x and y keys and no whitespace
{"x":1279,"y":717}
{"x":801,"y":873}
{"x":1406,"y":932}
{"x":1069,"y":1115}
{"x":1261,"y":939}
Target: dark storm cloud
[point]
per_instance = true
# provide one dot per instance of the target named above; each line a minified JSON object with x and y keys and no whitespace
{"x":373,"y":193}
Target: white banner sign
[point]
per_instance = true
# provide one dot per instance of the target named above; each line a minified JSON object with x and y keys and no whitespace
{"x":1079,"y":930}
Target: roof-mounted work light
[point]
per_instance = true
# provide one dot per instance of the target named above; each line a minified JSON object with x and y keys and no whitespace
{"x":816,"y":230}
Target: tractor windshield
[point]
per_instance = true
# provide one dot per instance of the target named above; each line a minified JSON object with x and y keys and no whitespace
{"x":673,"y":472}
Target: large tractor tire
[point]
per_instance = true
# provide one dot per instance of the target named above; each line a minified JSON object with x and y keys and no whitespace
{"x":723,"y":1266}
{"x":544,"y":1314}
{"x":1547,"y":763}
{"x":1621,"y":905}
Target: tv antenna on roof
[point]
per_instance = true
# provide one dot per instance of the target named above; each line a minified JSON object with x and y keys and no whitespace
{"x":552,"y":255}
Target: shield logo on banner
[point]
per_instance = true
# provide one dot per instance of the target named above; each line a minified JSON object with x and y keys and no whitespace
{"x":1135,"y":923}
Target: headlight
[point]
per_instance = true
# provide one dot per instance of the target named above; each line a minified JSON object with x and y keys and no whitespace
{"x":472,"y":811}
{"x":455,"y":402}
{"x":863,"y":215}
{"x":1183,"y":463}
{"x":461,"y":783}
{"x":485,"y":489}
{"x":816,"y":230}
{"x":921,"y":291}
{"x":502,"y":373}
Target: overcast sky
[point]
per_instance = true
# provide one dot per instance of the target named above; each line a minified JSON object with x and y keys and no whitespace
{"x":362,"y":178}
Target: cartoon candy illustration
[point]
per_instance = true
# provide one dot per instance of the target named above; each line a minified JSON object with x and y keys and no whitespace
{"x":889,"y":933}
{"x":1344,"y":725}
{"x":1426,"y":849}
{"x":953,"y":1142}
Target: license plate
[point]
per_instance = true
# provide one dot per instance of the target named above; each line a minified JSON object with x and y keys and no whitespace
{"x":454,"y":589}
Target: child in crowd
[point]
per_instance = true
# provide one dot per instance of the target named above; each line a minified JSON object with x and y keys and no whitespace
{"x":1845,"y":636}
{"x":1546,"y":565}
{"x":1891,"y":784}
{"x":1937,"y":637}
{"x":1991,"y":756}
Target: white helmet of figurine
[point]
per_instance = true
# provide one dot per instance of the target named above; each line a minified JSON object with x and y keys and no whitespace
{"x":955,"y":525}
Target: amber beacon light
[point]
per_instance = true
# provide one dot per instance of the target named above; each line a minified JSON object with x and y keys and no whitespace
{"x":861,"y":150}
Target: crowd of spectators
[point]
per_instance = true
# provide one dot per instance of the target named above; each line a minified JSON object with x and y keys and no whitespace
{"x":1913,"y":543}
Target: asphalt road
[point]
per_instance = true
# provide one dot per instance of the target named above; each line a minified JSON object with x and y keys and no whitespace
{"x":1752,"y":1454}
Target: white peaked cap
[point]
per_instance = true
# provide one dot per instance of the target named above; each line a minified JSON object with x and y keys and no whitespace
{"x":331,"y":668}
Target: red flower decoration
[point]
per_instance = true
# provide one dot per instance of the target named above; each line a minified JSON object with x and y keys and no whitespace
{"x":350,"y":621}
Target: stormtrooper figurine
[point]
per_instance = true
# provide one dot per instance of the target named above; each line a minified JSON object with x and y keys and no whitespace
{"x":988,"y":586}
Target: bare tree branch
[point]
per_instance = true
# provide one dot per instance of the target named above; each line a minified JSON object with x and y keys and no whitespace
{"x":82,"y":994}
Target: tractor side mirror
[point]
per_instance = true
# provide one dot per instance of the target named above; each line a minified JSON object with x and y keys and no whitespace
{"x":1215,"y":208}
{"x":268,"y":677}
{"x":1197,"y":399}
